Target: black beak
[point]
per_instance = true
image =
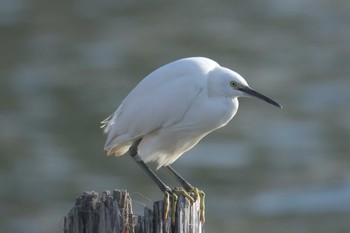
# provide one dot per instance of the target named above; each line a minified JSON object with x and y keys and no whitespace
{"x":251,"y":92}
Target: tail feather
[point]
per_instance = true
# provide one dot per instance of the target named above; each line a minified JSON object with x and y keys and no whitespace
{"x":106,"y":124}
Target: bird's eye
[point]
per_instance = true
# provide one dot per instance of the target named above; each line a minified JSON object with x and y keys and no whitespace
{"x":233,"y":84}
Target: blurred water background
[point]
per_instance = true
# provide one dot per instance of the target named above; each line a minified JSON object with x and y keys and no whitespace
{"x":66,"y":65}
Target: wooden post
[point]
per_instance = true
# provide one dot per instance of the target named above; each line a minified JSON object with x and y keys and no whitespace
{"x":112,"y":213}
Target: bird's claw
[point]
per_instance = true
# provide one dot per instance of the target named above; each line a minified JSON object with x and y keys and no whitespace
{"x":202,"y":204}
{"x":199,"y":194}
{"x":173,"y":195}
{"x":192,"y":196}
{"x":169,"y":194}
{"x":186,"y":194}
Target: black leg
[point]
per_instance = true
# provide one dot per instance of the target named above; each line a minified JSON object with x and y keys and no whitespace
{"x":134,"y":154}
{"x":183,"y":182}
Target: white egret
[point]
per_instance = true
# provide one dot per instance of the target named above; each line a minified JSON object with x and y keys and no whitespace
{"x":172,"y":109}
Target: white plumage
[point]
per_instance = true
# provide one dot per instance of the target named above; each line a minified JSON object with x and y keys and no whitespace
{"x":173,"y":108}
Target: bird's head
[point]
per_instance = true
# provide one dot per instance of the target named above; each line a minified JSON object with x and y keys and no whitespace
{"x":223,"y":81}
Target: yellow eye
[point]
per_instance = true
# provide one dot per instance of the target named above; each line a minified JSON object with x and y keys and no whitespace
{"x":233,"y":84}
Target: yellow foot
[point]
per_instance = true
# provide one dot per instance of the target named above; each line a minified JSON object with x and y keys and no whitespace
{"x":186,"y":194}
{"x":201,"y":195}
{"x":191,"y":195}
{"x":173,"y":196}
{"x":170,"y":195}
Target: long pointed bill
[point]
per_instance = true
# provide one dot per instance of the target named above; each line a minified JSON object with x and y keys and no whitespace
{"x":251,"y":92}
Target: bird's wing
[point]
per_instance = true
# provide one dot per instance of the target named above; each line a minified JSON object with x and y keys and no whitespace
{"x":157,"y":102}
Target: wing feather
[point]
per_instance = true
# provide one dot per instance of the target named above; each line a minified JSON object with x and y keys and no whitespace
{"x":158,"y":101}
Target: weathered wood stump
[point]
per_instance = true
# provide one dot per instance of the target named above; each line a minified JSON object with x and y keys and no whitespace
{"x":112,"y":213}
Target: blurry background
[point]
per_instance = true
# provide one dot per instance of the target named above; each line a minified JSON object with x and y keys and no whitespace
{"x":66,"y":65}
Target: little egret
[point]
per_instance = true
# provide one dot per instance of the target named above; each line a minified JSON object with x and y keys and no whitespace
{"x":172,"y":109}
